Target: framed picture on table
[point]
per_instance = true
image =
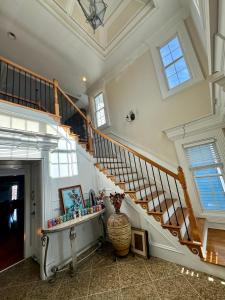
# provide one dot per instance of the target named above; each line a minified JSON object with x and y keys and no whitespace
{"x":72,"y":198}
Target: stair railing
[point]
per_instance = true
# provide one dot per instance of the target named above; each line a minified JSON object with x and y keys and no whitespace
{"x":136,"y":173}
{"x":21,"y":86}
{"x":123,"y":162}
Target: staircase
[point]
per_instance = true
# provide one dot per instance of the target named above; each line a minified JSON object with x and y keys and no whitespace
{"x":161,"y":193}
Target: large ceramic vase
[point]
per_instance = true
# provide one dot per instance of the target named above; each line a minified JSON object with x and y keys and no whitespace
{"x":119,"y":230}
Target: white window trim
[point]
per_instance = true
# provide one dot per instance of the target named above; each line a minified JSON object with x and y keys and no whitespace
{"x":218,"y":136}
{"x":107,"y":123}
{"x":162,"y":38}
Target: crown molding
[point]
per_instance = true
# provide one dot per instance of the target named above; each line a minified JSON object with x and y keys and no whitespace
{"x":198,"y":126}
{"x":101,"y":51}
{"x":22,"y":139}
{"x":145,"y":46}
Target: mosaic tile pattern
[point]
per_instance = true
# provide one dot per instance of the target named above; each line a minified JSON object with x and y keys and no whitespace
{"x":102,"y":277}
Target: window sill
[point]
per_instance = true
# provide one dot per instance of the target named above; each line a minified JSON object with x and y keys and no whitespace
{"x":102,"y":127}
{"x":168,"y":93}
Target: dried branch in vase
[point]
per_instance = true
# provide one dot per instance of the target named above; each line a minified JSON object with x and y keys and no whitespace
{"x":116,"y":200}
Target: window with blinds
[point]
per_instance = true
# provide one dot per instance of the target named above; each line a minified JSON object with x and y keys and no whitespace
{"x":207,"y":169}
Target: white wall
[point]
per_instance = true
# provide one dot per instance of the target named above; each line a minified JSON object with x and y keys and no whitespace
{"x":136,"y":87}
{"x":19,"y":142}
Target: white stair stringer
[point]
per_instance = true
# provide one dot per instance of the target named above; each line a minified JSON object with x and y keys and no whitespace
{"x":162,"y":243}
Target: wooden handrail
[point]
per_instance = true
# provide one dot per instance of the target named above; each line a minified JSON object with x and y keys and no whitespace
{"x":72,"y":103}
{"x":9,"y":62}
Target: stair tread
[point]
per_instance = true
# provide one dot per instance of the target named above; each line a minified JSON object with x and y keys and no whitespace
{"x":148,"y":199}
{"x":167,"y":203}
{"x":153,"y":195}
{"x":201,"y":226}
{"x":177,"y":217}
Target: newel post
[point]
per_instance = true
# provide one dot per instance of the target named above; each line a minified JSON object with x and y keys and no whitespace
{"x":56,"y":100}
{"x":89,"y":133}
{"x":192,"y":219}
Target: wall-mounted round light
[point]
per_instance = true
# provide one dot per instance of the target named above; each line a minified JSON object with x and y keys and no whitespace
{"x":11,"y":35}
{"x":84,"y":79}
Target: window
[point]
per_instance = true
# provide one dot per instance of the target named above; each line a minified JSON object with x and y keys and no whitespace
{"x":207,"y":169}
{"x":174,"y":59}
{"x":63,"y":160}
{"x":14,"y":192}
{"x":100,"y":110}
{"x":174,"y":64}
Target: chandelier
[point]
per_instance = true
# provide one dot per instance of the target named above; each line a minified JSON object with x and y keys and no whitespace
{"x":95,"y":13}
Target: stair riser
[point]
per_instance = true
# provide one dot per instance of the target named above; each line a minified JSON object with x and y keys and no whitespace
{"x":111,"y":164}
{"x":156,"y":201}
{"x":107,"y":160}
{"x":119,"y":169}
{"x":126,"y":177}
{"x":170,"y":212}
{"x":135,"y":184}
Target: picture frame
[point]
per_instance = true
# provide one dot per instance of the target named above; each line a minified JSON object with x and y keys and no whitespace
{"x":72,"y":198}
{"x":139,"y":242}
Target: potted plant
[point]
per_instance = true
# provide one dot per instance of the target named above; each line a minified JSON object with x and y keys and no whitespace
{"x":119,"y":227}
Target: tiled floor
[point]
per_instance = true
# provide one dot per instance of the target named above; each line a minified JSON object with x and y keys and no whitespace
{"x":102,"y":278}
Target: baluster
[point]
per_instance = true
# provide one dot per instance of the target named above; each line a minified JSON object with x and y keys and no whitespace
{"x":143,"y":179}
{"x":182,"y":210}
{"x":40,"y":94}
{"x":30,"y":92}
{"x":103,"y":152}
{"x":123,"y":176}
{"x":25,"y":87}
{"x":62,"y":109}
{"x":7,"y":97}
{"x":132,"y":175}
{"x":94,"y":144}
{"x":120,"y":176}
{"x":172,"y":198}
{"x":19,"y":87}
{"x":45,"y":106}
{"x":131,"y":167}
{"x":13,"y":99}
{"x":164,"y":196}
{"x":110,"y":162}
{"x":101,"y":147}
{"x":153,"y":173}
{"x":150,"y":186}
{"x":137,"y":176}
{"x":49,"y":98}
{"x":114,"y":165}
{"x":0,"y":75}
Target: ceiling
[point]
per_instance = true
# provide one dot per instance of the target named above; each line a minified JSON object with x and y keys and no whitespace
{"x":54,"y":40}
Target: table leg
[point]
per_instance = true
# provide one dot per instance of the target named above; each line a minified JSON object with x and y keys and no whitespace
{"x":73,"y":250}
{"x":103,"y":227}
{"x":45,"y":243}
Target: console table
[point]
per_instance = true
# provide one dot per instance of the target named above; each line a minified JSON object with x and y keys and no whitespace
{"x":71,"y":263}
